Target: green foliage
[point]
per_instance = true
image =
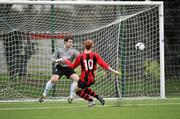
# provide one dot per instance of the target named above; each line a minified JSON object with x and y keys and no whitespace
{"x":3,"y":77}
{"x":152,"y":68}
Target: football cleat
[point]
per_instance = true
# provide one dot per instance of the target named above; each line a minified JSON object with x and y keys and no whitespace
{"x":91,"y":103}
{"x":101,"y":100}
{"x":41,"y":99}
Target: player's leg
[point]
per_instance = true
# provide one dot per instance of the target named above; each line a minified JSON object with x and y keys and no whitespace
{"x":80,"y":92}
{"x":94,"y":94}
{"x":49,"y":85}
{"x":85,"y":96}
{"x":90,"y":92}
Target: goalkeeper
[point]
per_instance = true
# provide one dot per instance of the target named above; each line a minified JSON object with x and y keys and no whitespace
{"x":62,"y":69}
{"x":88,"y":61}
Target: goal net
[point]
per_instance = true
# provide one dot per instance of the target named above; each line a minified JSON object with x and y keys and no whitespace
{"x":32,"y":30}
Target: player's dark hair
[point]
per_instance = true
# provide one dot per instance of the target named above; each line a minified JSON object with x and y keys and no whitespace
{"x":66,"y":39}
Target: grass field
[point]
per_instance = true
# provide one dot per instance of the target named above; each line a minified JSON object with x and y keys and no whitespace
{"x":124,"y":109}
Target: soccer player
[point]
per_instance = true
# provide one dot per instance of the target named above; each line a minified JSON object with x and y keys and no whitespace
{"x":88,"y":61}
{"x":62,"y":69}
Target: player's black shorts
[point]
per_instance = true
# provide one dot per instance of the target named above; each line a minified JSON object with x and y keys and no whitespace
{"x":83,"y":85}
{"x":59,"y":70}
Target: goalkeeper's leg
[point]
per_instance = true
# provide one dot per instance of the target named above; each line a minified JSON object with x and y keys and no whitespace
{"x":48,"y":87}
{"x":72,"y":93}
{"x":72,"y":75}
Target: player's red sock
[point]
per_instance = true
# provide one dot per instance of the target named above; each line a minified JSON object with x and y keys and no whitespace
{"x":83,"y":95}
{"x":91,"y":92}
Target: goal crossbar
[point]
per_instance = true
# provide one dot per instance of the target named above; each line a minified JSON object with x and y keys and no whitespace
{"x":83,"y":2}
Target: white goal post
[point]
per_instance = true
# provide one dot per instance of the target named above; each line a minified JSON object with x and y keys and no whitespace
{"x":30,"y":31}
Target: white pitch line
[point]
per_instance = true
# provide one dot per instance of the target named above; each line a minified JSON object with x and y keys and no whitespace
{"x":38,"y":108}
{"x":67,"y":107}
{"x":160,"y":104}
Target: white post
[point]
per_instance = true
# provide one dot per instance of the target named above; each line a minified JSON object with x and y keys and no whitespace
{"x":162,"y":69}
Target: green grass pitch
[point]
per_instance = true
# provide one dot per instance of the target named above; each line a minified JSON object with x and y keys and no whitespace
{"x":124,"y":109}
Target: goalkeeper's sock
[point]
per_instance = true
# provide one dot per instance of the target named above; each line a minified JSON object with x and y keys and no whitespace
{"x":83,"y":95}
{"x":91,"y":92}
{"x":48,"y":87}
{"x":73,"y":86}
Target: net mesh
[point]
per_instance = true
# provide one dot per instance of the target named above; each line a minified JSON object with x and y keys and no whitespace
{"x":30,"y":33}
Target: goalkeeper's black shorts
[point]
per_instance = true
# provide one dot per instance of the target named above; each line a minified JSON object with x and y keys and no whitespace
{"x":67,"y":71}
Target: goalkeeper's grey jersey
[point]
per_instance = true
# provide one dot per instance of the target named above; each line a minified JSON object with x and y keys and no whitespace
{"x":69,"y":53}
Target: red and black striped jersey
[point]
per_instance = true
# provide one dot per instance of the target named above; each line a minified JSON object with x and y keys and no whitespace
{"x":88,"y":63}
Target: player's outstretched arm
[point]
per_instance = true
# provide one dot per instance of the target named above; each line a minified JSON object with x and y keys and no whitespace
{"x":114,"y":71}
{"x":72,"y":65}
{"x":102,"y":63}
{"x":69,"y":63}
